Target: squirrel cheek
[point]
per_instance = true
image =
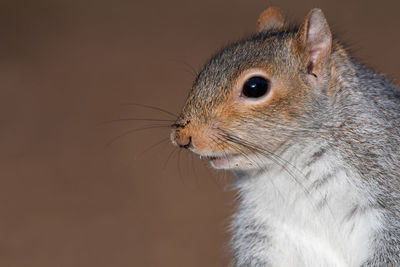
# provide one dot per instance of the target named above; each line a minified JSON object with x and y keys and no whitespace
{"x":208,"y":140}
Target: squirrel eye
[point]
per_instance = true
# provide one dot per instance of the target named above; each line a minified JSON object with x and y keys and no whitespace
{"x":255,"y":87}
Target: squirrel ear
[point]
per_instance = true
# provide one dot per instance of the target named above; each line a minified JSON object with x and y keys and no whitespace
{"x":315,"y":41}
{"x":271,"y":18}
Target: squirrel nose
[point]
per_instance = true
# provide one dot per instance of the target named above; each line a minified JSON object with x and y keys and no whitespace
{"x":183,"y":140}
{"x":181,"y":135}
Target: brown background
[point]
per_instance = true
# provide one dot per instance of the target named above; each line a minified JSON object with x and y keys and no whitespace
{"x":69,"y":199}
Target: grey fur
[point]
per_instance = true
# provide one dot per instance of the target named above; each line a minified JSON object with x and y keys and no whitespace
{"x":360,"y":121}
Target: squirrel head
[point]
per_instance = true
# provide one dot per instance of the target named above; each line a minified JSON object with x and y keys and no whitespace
{"x":258,"y":94}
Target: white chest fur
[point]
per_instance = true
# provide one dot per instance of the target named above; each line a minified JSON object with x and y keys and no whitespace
{"x":314,"y":214}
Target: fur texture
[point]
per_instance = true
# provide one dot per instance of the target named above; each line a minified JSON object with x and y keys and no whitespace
{"x":317,"y":161}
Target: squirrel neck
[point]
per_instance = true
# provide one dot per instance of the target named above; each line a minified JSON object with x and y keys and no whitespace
{"x":276,"y":204}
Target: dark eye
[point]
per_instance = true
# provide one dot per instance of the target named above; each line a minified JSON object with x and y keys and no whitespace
{"x":255,"y":87}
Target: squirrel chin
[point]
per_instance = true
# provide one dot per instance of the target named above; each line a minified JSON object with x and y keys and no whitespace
{"x":224,"y":162}
{"x":230,"y":162}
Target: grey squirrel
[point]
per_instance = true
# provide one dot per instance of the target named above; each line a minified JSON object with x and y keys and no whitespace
{"x":313,"y":140}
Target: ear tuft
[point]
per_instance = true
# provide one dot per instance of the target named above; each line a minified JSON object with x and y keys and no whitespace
{"x":315,"y":40}
{"x":271,"y":18}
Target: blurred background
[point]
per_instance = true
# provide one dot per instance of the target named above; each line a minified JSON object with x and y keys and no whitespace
{"x":82,"y":186}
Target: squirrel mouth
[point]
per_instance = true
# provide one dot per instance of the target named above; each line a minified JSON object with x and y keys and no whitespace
{"x":221,"y":161}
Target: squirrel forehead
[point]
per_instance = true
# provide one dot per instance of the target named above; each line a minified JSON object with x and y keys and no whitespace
{"x":264,"y":50}
{"x":267,"y":50}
